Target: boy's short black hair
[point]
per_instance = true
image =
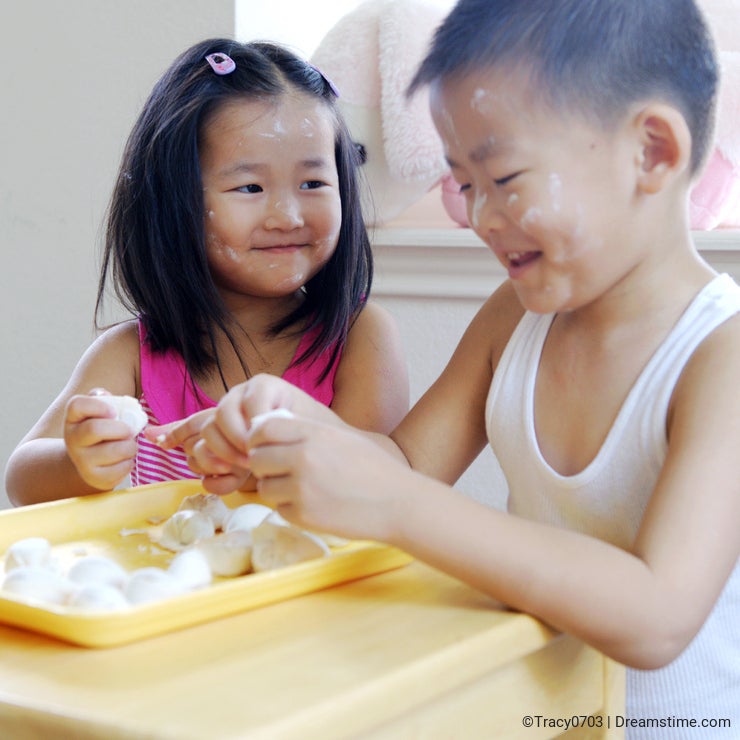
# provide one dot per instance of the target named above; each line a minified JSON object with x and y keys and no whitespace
{"x":155,"y":247}
{"x":594,"y":56}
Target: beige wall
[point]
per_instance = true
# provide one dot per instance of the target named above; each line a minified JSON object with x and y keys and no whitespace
{"x":73,"y":76}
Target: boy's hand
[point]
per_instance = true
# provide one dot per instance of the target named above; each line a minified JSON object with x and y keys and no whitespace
{"x":101,"y":448}
{"x":186,"y":433}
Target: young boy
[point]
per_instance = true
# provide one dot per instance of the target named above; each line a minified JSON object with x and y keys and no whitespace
{"x":603,"y":372}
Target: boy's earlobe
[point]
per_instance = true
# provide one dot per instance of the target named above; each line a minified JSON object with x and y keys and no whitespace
{"x":665,"y":146}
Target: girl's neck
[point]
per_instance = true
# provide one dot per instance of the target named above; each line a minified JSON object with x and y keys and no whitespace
{"x":255,"y":348}
{"x":256,"y":315}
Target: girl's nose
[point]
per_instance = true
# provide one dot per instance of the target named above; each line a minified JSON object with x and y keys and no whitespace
{"x":284,"y":213}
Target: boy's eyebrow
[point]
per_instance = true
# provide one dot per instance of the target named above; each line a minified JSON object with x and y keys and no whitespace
{"x":481,"y":153}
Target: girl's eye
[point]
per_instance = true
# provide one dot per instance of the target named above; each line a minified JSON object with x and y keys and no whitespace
{"x":464,"y":188}
{"x":311,"y":185}
{"x":250,"y":189}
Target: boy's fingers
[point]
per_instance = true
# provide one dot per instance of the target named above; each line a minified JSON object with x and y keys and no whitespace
{"x":219,"y":444}
{"x":223,"y":484}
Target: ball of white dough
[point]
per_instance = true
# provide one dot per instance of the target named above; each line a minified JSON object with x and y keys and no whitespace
{"x":228,"y":554}
{"x":276,"y":545}
{"x":191,"y":568}
{"x":36,"y":583}
{"x":128,"y":410}
{"x":209,"y":504}
{"x":28,"y":551}
{"x":246,"y":517}
{"x":184,"y":528}
{"x":99,"y":597}
{"x":96,"y":569}
{"x":150,"y":584}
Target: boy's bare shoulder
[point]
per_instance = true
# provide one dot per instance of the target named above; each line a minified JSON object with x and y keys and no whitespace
{"x":709,"y":380}
{"x":498,"y":317}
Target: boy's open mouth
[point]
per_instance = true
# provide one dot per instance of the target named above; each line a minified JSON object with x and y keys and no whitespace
{"x":518,"y":259}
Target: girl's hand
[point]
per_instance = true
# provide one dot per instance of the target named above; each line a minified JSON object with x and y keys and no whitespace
{"x":101,"y":448}
{"x":182,"y":433}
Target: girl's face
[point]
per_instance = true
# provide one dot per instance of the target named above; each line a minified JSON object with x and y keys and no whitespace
{"x":548,"y":194}
{"x":271,"y":194}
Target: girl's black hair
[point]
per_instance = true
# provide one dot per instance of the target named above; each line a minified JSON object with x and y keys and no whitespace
{"x":598,"y":56}
{"x":155,"y":245}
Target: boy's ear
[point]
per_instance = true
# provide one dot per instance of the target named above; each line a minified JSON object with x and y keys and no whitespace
{"x":664,"y":142}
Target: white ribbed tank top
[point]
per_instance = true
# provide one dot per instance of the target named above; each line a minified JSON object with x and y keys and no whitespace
{"x":607,"y":500}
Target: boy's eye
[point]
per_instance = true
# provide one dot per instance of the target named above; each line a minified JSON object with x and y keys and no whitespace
{"x":504,"y":180}
{"x":311,"y":184}
{"x":250,"y":189}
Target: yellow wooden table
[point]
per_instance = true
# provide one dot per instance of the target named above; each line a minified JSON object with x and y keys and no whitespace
{"x":410,"y":653}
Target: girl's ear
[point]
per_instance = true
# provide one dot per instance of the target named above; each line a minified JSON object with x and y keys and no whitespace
{"x":664,"y":146}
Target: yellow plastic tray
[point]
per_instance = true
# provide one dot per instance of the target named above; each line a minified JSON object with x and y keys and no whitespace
{"x":93,"y":524}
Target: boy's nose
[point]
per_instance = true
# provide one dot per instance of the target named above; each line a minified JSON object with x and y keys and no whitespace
{"x":485,"y":213}
{"x":284,"y":213}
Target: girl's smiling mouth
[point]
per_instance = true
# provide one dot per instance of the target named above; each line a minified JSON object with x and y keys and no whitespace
{"x":281,"y":248}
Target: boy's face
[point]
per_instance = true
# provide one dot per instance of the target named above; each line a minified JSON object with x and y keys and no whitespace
{"x":550,"y":195}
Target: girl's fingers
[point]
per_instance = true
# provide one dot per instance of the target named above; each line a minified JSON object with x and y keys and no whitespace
{"x":94,"y":431}
{"x":80,"y":408}
{"x":177,"y":433}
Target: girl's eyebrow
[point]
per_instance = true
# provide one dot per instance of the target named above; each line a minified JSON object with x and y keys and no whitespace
{"x":244,"y":167}
{"x":240,"y":167}
{"x":314,"y":163}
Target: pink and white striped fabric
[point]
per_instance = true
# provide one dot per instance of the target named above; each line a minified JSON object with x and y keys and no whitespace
{"x":169,"y":394}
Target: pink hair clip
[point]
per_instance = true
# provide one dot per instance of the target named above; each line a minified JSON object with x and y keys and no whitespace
{"x":332,"y":86}
{"x":221,"y":64}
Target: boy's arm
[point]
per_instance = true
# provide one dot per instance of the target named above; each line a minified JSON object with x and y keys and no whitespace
{"x":41,"y":468}
{"x":440,"y":437}
{"x":445,"y":430}
{"x":641,"y":607}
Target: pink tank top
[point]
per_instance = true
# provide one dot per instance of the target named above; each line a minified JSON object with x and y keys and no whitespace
{"x":169,"y":394}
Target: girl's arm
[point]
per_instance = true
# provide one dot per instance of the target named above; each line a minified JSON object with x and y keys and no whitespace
{"x":371,"y":387}
{"x":641,"y":607}
{"x":77,"y":447}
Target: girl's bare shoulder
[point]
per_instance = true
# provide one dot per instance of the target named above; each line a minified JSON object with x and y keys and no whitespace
{"x":113,"y":355}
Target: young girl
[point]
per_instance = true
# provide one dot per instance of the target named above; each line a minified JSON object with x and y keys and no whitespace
{"x":603,"y":372}
{"x":235,"y":235}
